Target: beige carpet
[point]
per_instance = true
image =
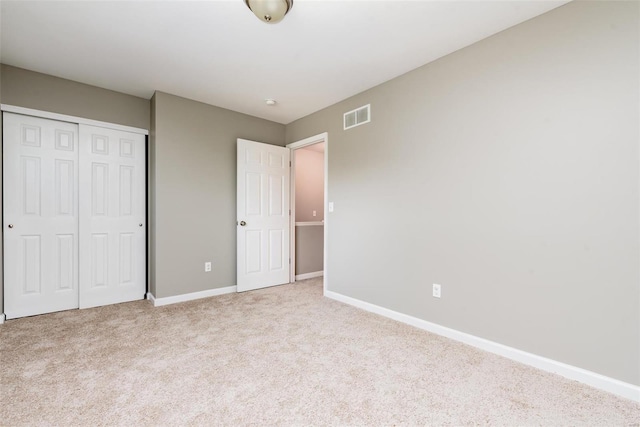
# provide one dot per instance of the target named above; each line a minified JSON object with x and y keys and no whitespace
{"x":279,"y":356}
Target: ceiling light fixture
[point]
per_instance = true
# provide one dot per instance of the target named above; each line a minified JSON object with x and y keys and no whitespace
{"x":269,"y":11}
{"x":270,"y":102}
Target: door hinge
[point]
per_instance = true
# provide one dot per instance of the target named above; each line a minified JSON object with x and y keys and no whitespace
{"x":289,"y":163}
{"x":289,"y":260}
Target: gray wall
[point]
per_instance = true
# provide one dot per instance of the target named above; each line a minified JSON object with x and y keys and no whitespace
{"x":29,"y":89}
{"x":39,"y":91}
{"x":195,"y":191}
{"x":507,"y":172}
{"x":309,"y":249}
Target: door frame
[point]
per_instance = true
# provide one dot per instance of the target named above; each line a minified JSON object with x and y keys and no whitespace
{"x":316,"y":139}
{"x":78,"y":120}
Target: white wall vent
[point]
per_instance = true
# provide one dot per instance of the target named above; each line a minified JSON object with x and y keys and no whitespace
{"x":357,"y":117}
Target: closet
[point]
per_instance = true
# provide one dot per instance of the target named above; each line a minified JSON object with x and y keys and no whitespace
{"x":73,"y":215}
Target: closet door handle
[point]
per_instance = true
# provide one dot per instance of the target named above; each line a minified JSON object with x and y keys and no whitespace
{"x":10,"y":225}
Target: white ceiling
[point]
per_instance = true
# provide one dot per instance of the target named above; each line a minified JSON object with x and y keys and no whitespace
{"x":219,"y":53}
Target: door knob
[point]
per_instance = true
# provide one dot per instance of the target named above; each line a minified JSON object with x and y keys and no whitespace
{"x":10,"y":225}
{"x":140,"y":225}
{"x":242,"y":223}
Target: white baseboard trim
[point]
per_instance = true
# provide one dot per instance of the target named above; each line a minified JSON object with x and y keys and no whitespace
{"x":150,"y":297}
{"x":611,"y":385}
{"x":158,"y":302}
{"x":2,"y":318}
{"x":309,"y":275}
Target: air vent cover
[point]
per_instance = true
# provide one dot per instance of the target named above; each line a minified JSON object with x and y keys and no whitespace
{"x":357,"y":117}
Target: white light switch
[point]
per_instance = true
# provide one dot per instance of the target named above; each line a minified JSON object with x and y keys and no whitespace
{"x":330,"y":206}
{"x":207,"y":267}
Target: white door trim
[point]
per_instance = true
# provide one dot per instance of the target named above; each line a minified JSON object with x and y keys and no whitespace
{"x":70,"y":119}
{"x":322,"y":137}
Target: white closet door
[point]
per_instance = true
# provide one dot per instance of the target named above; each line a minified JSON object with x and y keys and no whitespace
{"x":40,"y":215}
{"x":112,"y":216}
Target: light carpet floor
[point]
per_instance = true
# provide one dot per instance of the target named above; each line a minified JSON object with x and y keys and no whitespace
{"x":278,"y":356}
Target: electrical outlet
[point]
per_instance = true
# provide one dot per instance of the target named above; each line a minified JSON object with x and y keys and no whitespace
{"x":330,"y":206}
{"x":314,"y":213}
{"x":207,"y":267}
{"x":436,"y":290}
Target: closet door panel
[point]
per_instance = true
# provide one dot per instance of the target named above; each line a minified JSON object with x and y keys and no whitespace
{"x":112,"y":216}
{"x":40,"y":215}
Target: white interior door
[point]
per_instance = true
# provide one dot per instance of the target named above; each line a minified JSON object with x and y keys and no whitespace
{"x":112,"y":216}
{"x":40,"y":220}
{"x":263,"y":215}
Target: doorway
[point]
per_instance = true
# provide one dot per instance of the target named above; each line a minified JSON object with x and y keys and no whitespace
{"x":309,"y":211}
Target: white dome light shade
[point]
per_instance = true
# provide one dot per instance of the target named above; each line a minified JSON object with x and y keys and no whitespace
{"x":270,"y":11}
